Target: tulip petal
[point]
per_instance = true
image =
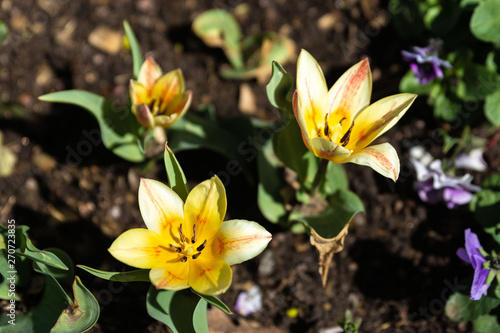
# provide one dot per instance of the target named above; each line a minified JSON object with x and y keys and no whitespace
{"x":205,"y":207}
{"x":161,"y":208}
{"x":175,"y":114}
{"x":168,"y":90}
{"x":142,"y":248}
{"x":331,"y":151}
{"x":138,"y":93}
{"x":376,"y":119}
{"x":150,"y":72}
{"x":301,"y":121}
{"x":174,"y":276}
{"x":351,"y":93}
{"x":240,"y":240}
{"x":209,"y":276}
{"x":382,"y":158}
{"x":144,"y":116}
{"x":312,"y":92}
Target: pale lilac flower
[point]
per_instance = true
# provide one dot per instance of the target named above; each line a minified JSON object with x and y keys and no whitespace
{"x":473,"y":160}
{"x":434,"y":186}
{"x":473,"y":256}
{"x":249,"y":301}
{"x":425,"y":63}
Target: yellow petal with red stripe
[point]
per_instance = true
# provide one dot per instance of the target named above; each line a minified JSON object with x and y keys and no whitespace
{"x":209,"y":276}
{"x":174,"y":276}
{"x":382,"y":158}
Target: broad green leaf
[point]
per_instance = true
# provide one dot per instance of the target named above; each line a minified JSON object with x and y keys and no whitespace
{"x":65,"y":276}
{"x":176,"y":179}
{"x":269,"y":197}
{"x":446,"y":19}
{"x":485,"y":21}
{"x":119,"y":127}
{"x":460,"y":308}
{"x":4,"y":31}
{"x":40,"y":318}
{"x":476,"y":83}
{"x":409,"y":84}
{"x":335,"y":179}
{"x":135,"y":48}
{"x":491,"y":107}
{"x":83,"y":315}
{"x":343,"y":205}
{"x":137,"y":275}
{"x":45,"y":257}
{"x":279,"y":88}
{"x":218,"y":28}
{"x":178,"y":310}
{"x":486,"y":324}
{"x":215,"y":301}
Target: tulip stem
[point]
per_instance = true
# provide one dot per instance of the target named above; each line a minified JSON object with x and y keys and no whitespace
{"x":320,"y":173}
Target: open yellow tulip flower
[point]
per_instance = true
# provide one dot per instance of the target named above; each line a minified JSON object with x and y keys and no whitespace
{"x":188,"y":244}
{"x":339,"y":124}
{"x":157,"y":99}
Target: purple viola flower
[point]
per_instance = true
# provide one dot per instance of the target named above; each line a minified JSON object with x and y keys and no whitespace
{"x":434,"y":186}
{"x":425,"y":63}
{"x":473,"y":256}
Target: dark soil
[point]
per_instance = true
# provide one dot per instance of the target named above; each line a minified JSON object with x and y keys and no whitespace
{"x":399,"y":263}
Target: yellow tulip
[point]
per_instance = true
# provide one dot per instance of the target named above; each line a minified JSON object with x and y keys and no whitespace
{"x":188,"y":244}
{"x":339,"y":124}
{"x":157,"y":99}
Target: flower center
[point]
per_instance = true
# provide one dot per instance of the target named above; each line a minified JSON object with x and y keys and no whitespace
{"x":186,"y":248}
{"x":327,"y":132}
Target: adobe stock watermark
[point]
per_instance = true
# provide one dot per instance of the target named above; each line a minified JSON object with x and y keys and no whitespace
{"x":437,"y":305}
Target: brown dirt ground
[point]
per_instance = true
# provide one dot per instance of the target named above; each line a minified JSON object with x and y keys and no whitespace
{"x":399,"y":259}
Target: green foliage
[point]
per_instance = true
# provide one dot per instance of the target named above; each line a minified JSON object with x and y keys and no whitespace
{"x":137,"y":275}
{"x":119,"y":127}
{"x":135,"y":48}
{"x":4,"y":31}
{"x":182,"y":311}
{"x":350,"y":325}
{"x":460,"y":308}
{"x":249,"y":58}
{"x":176,"y":179}
{"x":491,"y":107}
{"x":56,"y":311}
{"x":486,"y":324}
{"x":485,"y":21}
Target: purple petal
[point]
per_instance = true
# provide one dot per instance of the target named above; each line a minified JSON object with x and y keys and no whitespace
{"x":479,"y":288}
{"x":462,"y":254}
{"x":457,"y":196}
{"x":472,"y":246}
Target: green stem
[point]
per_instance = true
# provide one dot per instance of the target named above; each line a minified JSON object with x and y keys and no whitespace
{"x":320,"y":173}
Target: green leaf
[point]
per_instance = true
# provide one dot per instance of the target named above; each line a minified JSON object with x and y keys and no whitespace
{"x":343,"y":205}
{"x":460,"y":308}
{"x":137,"y":275}
{"x":279,"y":88}
{"x":486,"y":205}
{"x":64,"y":275}
{"x":218,"y":28}
{"x":44,"y":257}
{"x":119,"y":127}
{"x":180,"y":310}
{"x":269,"y":198}
{"x":4,"y":31}
{"x":485,"y":21}
{"x":215,"y":301}
{"x":476,"y":83}
{"x":486,"y":324}
{"x":335,"y":179}
{"x":83,"y":315}
{"x":40,"y":318}
{"x":409,"y":84}
{"x":135,"y":48}
{"x":491,"y":107}
{"x":175,"y":175}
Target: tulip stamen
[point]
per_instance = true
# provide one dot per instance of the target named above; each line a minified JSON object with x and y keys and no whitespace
{"x":183,"y":259}
{"x":193,"y":240}
{"x":202,"y":246}
{"x":181,"y":235}
{"x":345,"y":139}
{"x":175,"y":248}
{"x":196,"y":255}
